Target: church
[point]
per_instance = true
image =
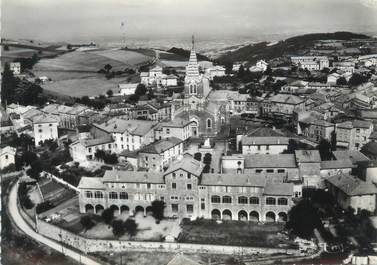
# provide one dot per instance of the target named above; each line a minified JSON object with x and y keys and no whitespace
{"x":207,"y":117}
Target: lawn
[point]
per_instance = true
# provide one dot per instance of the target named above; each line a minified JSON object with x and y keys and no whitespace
{"x":236,"y":233}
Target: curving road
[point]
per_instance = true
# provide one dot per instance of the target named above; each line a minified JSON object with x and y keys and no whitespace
{"x":23,"y":226}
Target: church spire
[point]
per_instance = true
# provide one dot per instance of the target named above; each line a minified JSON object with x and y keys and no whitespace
{"x":193,"y":42}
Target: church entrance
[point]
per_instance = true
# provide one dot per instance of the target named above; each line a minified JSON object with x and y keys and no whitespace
{"x":194,"y":128}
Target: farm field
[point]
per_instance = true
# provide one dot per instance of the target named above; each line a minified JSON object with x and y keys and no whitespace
{"x":84,"y":85}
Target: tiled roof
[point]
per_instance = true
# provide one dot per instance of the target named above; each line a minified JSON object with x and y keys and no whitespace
{"x":176,"y":123}
{"x":135,"y":127}
{"x":187,"y":163}
{"x":91,"y":183}
{"x":307,"y":156}
{"x":161,"y":145}
{"x":246,"y":140}
{"x":270,"y":161}
{"x":7,"y":150}
{"x":287,"y":99}
{"x":97,"y":141}
{"x":335,"y":164}
{"x":132,"y":177}
{"x":243,"y":180}
{"x":43,"y":118}
{"x":284,"y":189}
{"x":353,"y":155}
{"x":351,"y":185}
{"x":264,"y":132}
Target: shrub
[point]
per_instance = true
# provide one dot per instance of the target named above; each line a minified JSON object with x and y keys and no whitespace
{"x":131,"y":227}
{"x":87,"y":222}
{"x":44,"y":206}
{"x":118,"y":228}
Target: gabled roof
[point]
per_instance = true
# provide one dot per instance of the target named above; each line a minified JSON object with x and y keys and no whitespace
{"x":351,"y":185}
{"x":231,"y":179}
{"x":161,"y":145}
{"x":188,"y":164}
{"x":264,"y":132}
{"x":43,"y":118}
{"x":307,"y":156}
{"x":337,"y":164}
{"x":270,"y":161}
{"x":132,"y":177}
{"x":7,"y":150}
{"x":134,"y":127}
{"x":283,"y":189}
{"x":353,"y":155}
{"x":273,"y":140}
{"x":287,"y":99}
{"x":91,"y":183}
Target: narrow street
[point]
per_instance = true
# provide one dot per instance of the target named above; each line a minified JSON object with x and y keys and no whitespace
{"x":22,"y":225}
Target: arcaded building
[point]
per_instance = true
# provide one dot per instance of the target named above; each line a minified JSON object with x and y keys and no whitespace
{"x":188,"y":193}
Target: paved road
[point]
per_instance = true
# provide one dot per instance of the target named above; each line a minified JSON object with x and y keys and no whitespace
{"x":22,"y":225}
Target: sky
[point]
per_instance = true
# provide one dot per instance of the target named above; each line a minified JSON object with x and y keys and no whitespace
{"x":56,"y":20}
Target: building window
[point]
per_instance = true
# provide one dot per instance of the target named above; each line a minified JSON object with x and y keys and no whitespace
{"x":270,"y":201}
{"x":254,"y":200}
{"x":6,"y":156}
{"x":174,"y":207}
{"x":258,"y":171}
{"x":173,"y":175}
{"x":203,"y":206}
{"x":209,"y":123}
{"x":98,"y":195}
{"x":174,"y":185}
{"x":148,"y":185}
{"x":40,"y":130}
{"x":282,"y":201}
{"x":281,"y":170}
{"x":189,"y":175}
{"x":113,"y":195}
{"x":215,"y":199}
{"x":88,"y":194}
{"x":167,"y":131}
{"x":270,"y":171}
{"x":227,"y":199}
{"x":189,"y":186}
{"x":123,"y":195}
{"x":258,"y":147}
{"x":190,"y":208}
{"x":267,"y":147}
{"x":242,"y":200}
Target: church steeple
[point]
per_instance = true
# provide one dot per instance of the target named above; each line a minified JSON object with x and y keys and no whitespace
{"x":192,"y":69}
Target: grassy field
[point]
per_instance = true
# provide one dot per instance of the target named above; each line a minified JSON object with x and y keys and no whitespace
{"x":236,"y":233}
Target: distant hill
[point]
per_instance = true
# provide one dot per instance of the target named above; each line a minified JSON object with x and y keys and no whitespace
{"x":263,"y":50}
{"x":185,"y":54}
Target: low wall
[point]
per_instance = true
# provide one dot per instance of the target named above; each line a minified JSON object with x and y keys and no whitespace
{"x":97,"y":245}
{"x":49,"y":175}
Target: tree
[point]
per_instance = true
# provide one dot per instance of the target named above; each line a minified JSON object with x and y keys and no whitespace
{"x":140,"y":90}
{"x":109,"y":93}
{"x":23,"y":194}
{"x":341,"y":81}
{"x":228,"y":67}
{"x":333,"y":141}
{"x":8,"y":85}
{"x":303,"y":219}
{"x":35,"y":170}
{"x":118,"y":228}
{"x":241,"y":71}
{"x":131,"y":227}
{"x":111,"y":159}
{"x":357,"y":79}
{"x":107,"y":68}
{"x":87,"y":222}
{"x":108,"y":216}
{"x":198,"y":156}
{"x":100,"y":154}
{"x":292,"y":147}
{"x":324,"y":148}
{"x":158,"y":210}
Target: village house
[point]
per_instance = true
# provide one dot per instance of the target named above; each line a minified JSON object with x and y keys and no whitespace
{"x":215,"y":71}
{"x":283,"y":105}
{"x":264,"y":145}
{"x":7,"y":156}
{"x":178,"y":128}
{"x":159,"y":155}
{"x":127,"y":134}
{"x":85,"y":149}
{"x":156,"y":77}
{"x":68,"y":116}
{"x":163,"y":110}
{"x":315,"y":129}
{"x":15,"y":67}
{"x":45,"y":127}
{"x":345,"y":66}
{"x":309,"y":166}
{"x":127,"y":89}
{"x":188,"y":193}
{"x":311,"y":62}
{"x":353,"y":134}
{"x":351,"y":192}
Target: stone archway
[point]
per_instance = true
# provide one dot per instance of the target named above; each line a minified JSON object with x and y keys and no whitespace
{"x":115,"y":209}
{"x":89,"y":208}
{"x":124,"y":209}
{"x":227,"y":215}
{"x":282,"y":217}
{"x":139,"y":209}
{"x":254,"y":216}
{"x":99,"y":209}
{"x":148,"y":210}
{"x":216,"y":214}
{"x":270,"y":217}
{"x":242,"y":215}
